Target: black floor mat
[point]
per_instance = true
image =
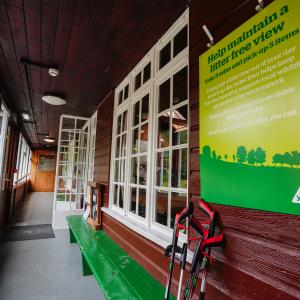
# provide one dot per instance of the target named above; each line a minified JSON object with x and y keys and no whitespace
{"x":31,"y":232}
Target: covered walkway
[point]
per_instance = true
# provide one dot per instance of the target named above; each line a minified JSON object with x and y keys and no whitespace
{"x":45,"y":268}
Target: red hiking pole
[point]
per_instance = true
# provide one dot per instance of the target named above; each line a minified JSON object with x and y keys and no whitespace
{"x":204,"y":207}
{"x":200,"y":256}
{"x":172,"y":249}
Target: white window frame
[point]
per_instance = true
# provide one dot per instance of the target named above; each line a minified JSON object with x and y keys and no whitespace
{"x":4,"y":126}
{"x":147,"y":226}
{"x":140,"y":93}
{"x":174,"y":68}
{"x":23,"y":160}
{"x":124,"y":106}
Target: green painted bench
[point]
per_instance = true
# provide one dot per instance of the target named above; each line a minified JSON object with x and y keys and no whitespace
{"x":119,"y":276}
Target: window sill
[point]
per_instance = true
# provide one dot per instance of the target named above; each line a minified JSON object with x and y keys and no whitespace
{"x":151,"y":234}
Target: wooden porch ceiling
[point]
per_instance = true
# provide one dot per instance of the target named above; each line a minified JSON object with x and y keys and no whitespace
{"x":93,"y":43}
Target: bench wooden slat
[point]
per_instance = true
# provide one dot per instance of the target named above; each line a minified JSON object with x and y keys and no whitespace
{"x":119,"y":275}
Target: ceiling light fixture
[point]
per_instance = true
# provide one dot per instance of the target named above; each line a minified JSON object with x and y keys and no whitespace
{"x":53,"y":100}
{"x":25,"y":115}
{"x":53,"y":72}
{"x":49,"y":139}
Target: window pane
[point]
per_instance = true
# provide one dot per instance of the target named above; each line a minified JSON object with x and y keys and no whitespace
{"x":123,"y":148}
{"x":161,"y":209}
{"x":115,"y":194}
{"x":178,"y":203}
{"x":63,"y":170}
{"x":136,"y":113}
{"x":120,"y":97}
{"x":180,"y":41}
{"x":163,"y":131}
{"x":179,"y":168}
{"x":119,"y":120}
{"x":144,"y":138}
{"x":134,"y":166}
{"x":145,"y":108}
{"x":164,"y":96}
{"x":142,"y":203}
{"x":118,"y":146}
{"x":179,"y":125}
{"x":126,"y":92}
{"x":121,"y":196}
{"x":122,"y":170}
{"x":138,"y":81}
{"x":116,"y":170}
{"x":147,"y":73}
{"x":143,"y":170}
{"x":162,"y":169}
{"x":180,"y":86}
{"x":132,"y":204}
{"x":135,"y":145}
{"x":124,"y":127}
{"x":165,"y":55}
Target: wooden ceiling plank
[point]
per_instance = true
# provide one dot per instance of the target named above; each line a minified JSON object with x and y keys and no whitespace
{"x":5,"y":36}
{"x":144,"y":39}
{"x":82,"y":17}
{"x":49,"y":15}
{"x":32,"y":13}
{"x":123,"y":20}
{"x":65,"y":21}
{"x":82,"y":39}
{"x":15,"y":20}
{"x":92,"y":44}
{"x":48,"y":25}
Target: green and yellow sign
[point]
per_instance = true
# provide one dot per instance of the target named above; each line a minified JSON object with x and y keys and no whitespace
{"x":250,"y":113}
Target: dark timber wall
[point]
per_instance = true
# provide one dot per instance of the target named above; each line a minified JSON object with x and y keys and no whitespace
{"x":261,"y":259}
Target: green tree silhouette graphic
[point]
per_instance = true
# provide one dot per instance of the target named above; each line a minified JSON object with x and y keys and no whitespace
{"x":214,"y":155}
{"x":288,"y":159}
{"x":260,"y":155}
{"x":296,"y":158}
{"x":206,"y":151}
{"x":251,"y":158}
{"x":241,"y":154}
{"x":277,"y":159}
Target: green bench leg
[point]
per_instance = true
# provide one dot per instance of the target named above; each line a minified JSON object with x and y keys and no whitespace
{"x":72,"y":237}
{"x":86,"y":270}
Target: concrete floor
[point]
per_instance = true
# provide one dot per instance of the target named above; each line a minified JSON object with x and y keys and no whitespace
{"x":47,"y":269}
{"x":36,"y":209}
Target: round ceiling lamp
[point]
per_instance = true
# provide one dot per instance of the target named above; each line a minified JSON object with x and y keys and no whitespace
{"x":53,"y":100}
{"x":49,"y":139}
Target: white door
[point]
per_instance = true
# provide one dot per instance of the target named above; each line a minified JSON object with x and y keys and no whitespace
{"x":71,"y":171}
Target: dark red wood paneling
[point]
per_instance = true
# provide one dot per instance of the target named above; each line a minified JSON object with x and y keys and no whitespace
{"x":103,"y":139}
{"x":261,"y":259}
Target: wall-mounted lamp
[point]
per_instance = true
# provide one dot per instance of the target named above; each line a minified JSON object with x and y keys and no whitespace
{"x":25,"y":115}
{"x":209,"y":36}
{"x":260,"y":5}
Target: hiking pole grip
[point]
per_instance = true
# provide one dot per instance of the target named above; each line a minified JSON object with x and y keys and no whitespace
{"x":186,"y":212}
{"x":204,"y":207}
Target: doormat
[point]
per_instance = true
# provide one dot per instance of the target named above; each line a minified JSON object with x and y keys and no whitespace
{"x":31,"y":232}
